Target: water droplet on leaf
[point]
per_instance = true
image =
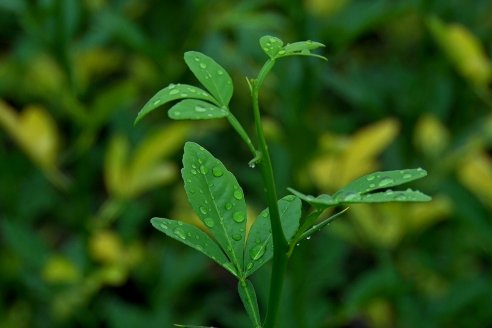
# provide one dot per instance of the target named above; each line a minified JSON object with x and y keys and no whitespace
{"x":238,"y":194}
{"x":180,"y":233}
{"x":203,"y":169}
{"x":174,"y":91}
{"x":238,"y":217}
{"x":217,"y":172}
{"x":385,"y":181}
{"x":203,"y":65}
{"x":237,"y":237}
{"x":257,"y":252}
{"x":209,"y":222}
{"x":203,"y":209}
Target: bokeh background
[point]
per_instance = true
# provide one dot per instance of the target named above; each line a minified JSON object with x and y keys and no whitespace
{"x":407,"y":84}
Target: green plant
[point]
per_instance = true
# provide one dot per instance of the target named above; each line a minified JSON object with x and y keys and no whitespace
{"x":218,"y":200}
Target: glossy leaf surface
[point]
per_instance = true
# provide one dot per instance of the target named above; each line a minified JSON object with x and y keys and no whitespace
{"x":358,"y":190}
{"x":271,"y":45}
{"x":170,"y":93}
{"x":248,"y":296}
{"x":211,"y":75}
{"x":194,"y":237}
{"x":217,"y":199}
{"x":259,"y":246}
{"x":193,"y":109}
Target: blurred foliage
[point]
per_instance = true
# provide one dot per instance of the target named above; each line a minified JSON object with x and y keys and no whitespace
{"x":408,"y":84}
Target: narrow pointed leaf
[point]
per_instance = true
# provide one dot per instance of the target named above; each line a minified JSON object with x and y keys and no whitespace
{"x":170,"y":93}
{"x":211,"y":75}
{"x":302,"y":46}
{"x":193,"y":109}
{"x":385,"y":197}
{"x":217,"y":199}
{"x":248,"y":296}
{"x":317,"y":227}
{"x":259,"y":246}
{"x":195,"y":238}
{"x":380,"y":180}
{"x":271,"y":45}
{"x":320,"y":202}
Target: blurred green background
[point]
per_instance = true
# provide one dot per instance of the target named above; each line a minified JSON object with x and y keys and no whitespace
{"x":407,"y":84}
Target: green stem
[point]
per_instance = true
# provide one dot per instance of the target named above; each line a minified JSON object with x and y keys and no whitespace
{"x":242,"y":133}
{"x":280,"y":244}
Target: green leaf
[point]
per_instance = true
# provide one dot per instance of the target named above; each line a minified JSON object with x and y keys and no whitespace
{"x":358,"y":190}
{"x":271,"y":45}
{"x":193,"y":109}
{"x":192,"y":236}
{"x":170,"y":93}
{"x":317,"y":227}
{"x":259,"y":246}
{"x":248,"y":296}
{"x":217,"y":199}
{"x":379,"y":180}
{"x":302,"y":48}
{"x":213,"y":76}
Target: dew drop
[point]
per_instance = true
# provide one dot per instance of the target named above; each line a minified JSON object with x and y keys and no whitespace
{"x":180,"y":233}
{"x":164,"y":226}
{"x":219,"y":72}
{"x":184,"y":95}
{"x":193,"y":172}
{"x":217,"y":172}
{"x":385,"y":181}
{"x":174,"y":91}
{"x":197,"y":59}
{"x":372,"y":185}
{"x":407,"y":176}
{"x":200,"y":109}
{"x":351,"y":196}
{"x":257,"y":252}
{"x":209,"y":222}
{"x":237,"y":237}
{"x":203,"y":65}
{"x":156,"y":102}
{"x":238,"y":217}
{"x":370,"y":178}
{"x":203,"y":169}
{"x":238,"y":194}
{"x":228,"y":206}
{"x":308,"y":237}
{"x":281,"y":52}
{"x":251,"y":165}
{"x":203,"y":209}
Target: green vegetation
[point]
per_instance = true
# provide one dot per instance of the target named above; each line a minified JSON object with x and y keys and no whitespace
{"x":407,"y":84}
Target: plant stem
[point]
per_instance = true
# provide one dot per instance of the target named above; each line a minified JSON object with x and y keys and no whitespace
{"x":280,"y":244}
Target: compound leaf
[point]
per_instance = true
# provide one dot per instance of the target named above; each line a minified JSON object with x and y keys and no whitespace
{"x":195,"y":238}
{"x":170,"y":93}
{"x":193,"y":109}
{"x":259,"y":246}
{"x":217,"y":199}
{"x":211,"y":75}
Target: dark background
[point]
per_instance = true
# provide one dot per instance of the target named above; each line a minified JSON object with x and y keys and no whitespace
{"x":407,"y":84}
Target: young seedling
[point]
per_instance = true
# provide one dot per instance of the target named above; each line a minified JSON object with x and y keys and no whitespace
{"x":218,"y":199}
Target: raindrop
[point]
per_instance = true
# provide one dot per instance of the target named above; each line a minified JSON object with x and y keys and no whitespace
{"x":238,"y":194}
{"x":407,"y":176}
{"x":219,"y":72}
{"x":203,"y":169}
{"x":200,"y":109}
{"x":164,"y":226}
{"x":281,"y":52}
{"x":203,"y":65}
{"x":217,"y":172}
{"x":174,"y":91}
{"x":193,"y":172}
{"x":385,"y":181}
{"x":191,"y":90}
{"x":252,"y":165}
{"x":237,"y":237}
{"x":228,"y":206}
{"x":351,"y":196}
{"x":257,"y":252}
{"x":203,"y":209}
{"x":209,"y":222}
{"x":238,"y":217}
{"x":370,"y":178}
{"x":308,"y":237}
{"x":197,"y":59}
{"x":156,"y":102}
{"x":372,"y":185}
{"x":180,"y":233}
{"x":184,"y":95}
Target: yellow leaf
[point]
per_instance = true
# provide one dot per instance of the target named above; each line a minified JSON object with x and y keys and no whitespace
{"x":476,"y":174}
{"x":464,"y":50}
{"x":431,"y":137}
{"x":115,"y":173}
{"x":59,"y":269}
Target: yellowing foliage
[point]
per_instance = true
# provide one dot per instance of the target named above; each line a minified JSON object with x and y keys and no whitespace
{"x":346,"y":158}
